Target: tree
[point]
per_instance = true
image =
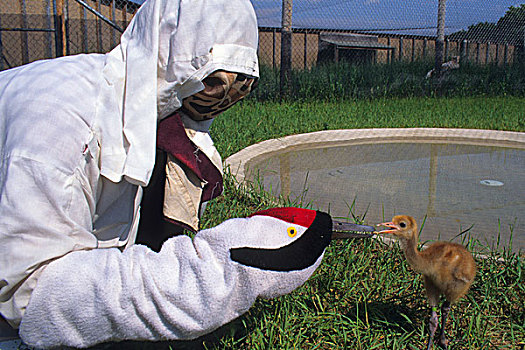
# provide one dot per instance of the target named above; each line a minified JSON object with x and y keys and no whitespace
{"x":510,"y":29}
{"x":512,"y":25}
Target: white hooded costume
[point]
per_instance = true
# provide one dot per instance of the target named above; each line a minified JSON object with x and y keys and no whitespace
{"x":77,"y":142}
{"x":77,"y":134}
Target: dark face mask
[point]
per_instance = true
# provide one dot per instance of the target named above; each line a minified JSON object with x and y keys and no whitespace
{"x":221,"y":91}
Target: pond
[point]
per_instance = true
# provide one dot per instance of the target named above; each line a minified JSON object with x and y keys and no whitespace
{"x":452,"y":182}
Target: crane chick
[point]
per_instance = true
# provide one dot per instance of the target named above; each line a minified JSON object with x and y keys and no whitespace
{"x":448,"y":269}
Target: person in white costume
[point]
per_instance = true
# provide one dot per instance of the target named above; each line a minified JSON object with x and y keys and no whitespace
{"x":78,"y":143}
{"x":78,"y":136}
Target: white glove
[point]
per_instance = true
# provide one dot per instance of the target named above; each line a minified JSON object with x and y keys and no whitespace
{"x":190,"y":288}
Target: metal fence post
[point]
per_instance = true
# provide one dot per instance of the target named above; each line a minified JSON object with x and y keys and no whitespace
{"x":125,"y":14}
{"x":440,"y":37}
{"x":25,"y":44}
{"x":49,"y":36}
{"x":59,"y":28}
{"x":400,"y":49}
{"x":463,"y":51}
{"x":413,"y":50}
{"x":505,"y":54}
{"x":98,"y":27}
{"x":85,"y":31}
{"x":1,"y":48}
{"x":286,"y":47}
{"x":389,"y":53}
{"x":274,"y":50}
{"x":113,"y":19}
{"x":66,"y":28}
{"x":305,"y":66}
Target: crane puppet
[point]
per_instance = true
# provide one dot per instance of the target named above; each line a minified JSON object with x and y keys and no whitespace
{"x":189,"y":288}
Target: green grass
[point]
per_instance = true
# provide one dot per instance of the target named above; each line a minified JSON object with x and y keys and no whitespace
{"x":251,"y":121}
{"x":364,"y":295}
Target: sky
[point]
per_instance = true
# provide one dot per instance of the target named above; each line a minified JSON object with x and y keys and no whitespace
{"x":399,"y":16}
{"x":417,"y":17}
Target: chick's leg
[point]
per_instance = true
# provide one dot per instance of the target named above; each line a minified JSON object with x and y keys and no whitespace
{"x":432,"y":326}
{"x":433,"y":300}
{"x":445,"y":309}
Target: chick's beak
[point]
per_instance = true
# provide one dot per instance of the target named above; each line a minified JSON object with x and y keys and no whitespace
{"x":391,"y":225}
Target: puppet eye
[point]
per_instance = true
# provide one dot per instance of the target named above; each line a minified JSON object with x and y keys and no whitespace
{"x":292,"y":231}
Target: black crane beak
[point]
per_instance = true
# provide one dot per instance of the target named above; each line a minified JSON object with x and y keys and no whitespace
{"x":345,"y":230}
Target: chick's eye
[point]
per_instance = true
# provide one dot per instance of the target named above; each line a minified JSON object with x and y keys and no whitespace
{"x":402,"y":225}
{"x":292,"y":231}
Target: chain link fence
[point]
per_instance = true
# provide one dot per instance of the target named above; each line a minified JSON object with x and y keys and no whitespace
{"x":27,"y":32}
{"x":96,"y":26}
{"x":40,"y":29}
{"x":377,"y":31}
{"x":356,"y":31}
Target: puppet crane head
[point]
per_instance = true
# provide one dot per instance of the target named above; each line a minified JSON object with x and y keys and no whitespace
{"x":279,"y":241}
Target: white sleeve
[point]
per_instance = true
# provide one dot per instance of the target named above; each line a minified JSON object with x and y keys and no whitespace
{"x":189,"y":288}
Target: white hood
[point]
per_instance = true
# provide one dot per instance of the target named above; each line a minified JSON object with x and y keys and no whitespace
{"x":169,"y":47}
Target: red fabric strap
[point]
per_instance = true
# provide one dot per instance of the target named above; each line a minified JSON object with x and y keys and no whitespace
{"x":172,"y":138}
